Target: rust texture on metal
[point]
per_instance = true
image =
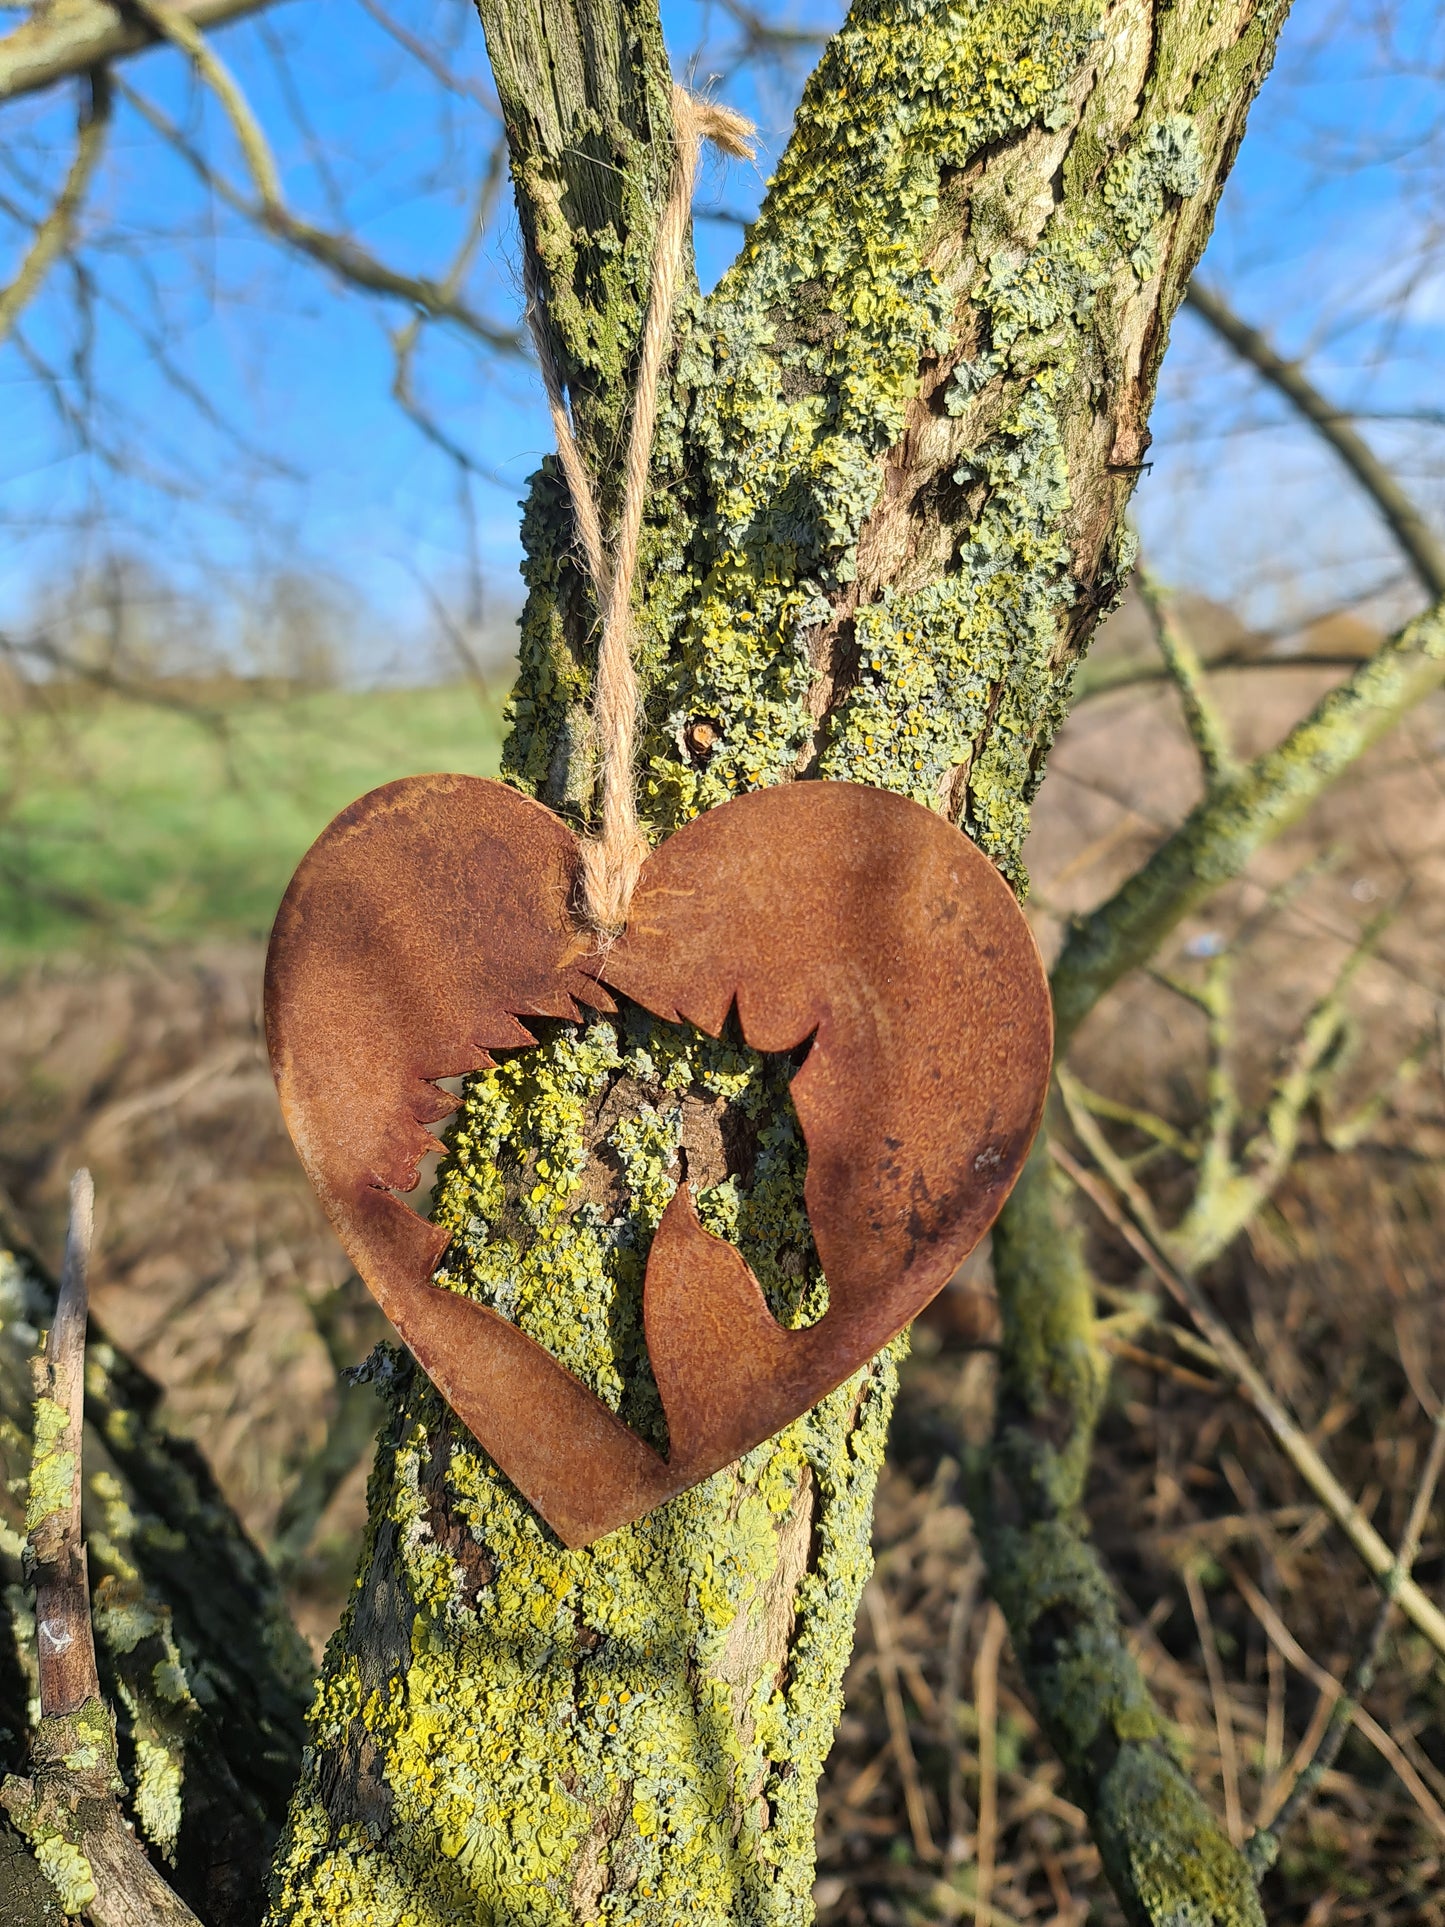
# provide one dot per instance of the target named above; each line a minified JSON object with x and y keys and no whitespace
{"x":432,"y":917}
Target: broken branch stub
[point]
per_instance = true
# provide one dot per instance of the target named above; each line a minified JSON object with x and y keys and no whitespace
{"x":66,"y":1809}
{"x":55,"y":1551}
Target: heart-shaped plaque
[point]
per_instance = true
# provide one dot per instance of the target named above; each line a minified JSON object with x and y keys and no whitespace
{"x":433,"y":916}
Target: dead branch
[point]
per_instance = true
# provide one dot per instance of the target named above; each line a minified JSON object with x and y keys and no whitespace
{"x":1330,"y":1689}
{"x":985,"y":1694}
{"x":64,"y":1642}
{"x":346,"y":258}
{"x":1219,"y":1698}
{"x":1401,"y":517}
{"x":1206,"y":726}
{"x":59,"y":43}
{"x":1265,"y":1844}
{"x":1230,"y":1355}
{"x":903,"y":1755}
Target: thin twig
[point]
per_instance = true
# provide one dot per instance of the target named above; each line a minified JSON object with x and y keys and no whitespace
{"x":346,"y":258}
{"x":69,"y":1798}
{"x":106,"y":1119}
{"x":1405,"y":522}
{"x":1370,"y":1729}
{"x":1362,"y":1674}
{"x":168,"y":20}
{"x":1219,"y":1694}
{"x":1349,"y":1132}
{"x":1103,"y":1155}
{"x":1374,"y":1552}
{"x":404,"y":341}
{"x":1145,"y":1122}
{"x":424,"y":55}
{"x":985,"y":1699}
{"x":54,"y":234}
{"x":1110,"y":680}
{"x":880,"y":1620}
{"x":960,"y":1617}
{"x":1182,"y":665}
{"x":1230,"y":1190}
{"x":762,"y":34}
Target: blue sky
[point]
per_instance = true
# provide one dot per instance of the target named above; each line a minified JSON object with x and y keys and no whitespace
{"x":1325,"y":236}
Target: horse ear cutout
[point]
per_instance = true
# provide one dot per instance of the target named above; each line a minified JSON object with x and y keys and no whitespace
{"x":431,"y":921}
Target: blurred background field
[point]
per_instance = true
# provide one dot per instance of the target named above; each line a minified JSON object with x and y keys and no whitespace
{"x":179,"y":817}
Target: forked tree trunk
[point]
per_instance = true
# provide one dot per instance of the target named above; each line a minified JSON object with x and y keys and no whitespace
{"x":887,"y":512}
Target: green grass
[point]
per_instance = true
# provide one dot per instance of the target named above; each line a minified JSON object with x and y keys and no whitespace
{"x":124,"y":823}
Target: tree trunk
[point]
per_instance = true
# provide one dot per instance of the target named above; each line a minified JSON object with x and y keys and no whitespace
{"x":886,"y":514}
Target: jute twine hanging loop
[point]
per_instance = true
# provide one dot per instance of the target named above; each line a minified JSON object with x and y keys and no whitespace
{"x":612,"y":859}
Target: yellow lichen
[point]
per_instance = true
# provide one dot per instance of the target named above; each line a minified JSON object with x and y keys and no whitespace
{"x":67,"y":1870}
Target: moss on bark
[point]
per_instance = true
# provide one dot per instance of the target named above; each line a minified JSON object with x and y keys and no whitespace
{"x":1166,"y":1855}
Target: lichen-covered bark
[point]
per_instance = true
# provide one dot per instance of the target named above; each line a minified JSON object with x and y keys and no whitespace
{"x":197,"y":1654}
{"x":889,"y":481}
{"x":1167,"y":1857}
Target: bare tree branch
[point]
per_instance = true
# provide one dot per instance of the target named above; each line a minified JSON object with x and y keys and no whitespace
{"x":1404,"y":520}
{"x":1220,"y":836}
{"x":170,"y":22}
{"x":57,"y":43}
{"x":54,"y":234}
{"x":404,"y":341}
{"x":344,"y":257}
{"x":1182,"y":665}
{"x":763,"y":35}
{"x":428,"y":58}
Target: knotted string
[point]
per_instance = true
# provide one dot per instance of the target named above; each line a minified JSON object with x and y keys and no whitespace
{"x":612,"y":859}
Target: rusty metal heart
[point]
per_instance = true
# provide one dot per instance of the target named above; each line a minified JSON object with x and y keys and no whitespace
{"x":432,"y":918}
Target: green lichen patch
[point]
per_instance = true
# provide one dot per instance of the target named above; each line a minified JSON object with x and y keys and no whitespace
{"x":564,"y":1159}
{"x":52,"y":1467}
{"x":135,"y":1634}
{"x":67,"y":1870}
{"x":160,"y":1775}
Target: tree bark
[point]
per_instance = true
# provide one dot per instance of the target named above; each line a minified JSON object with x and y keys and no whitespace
{"x":887,"y":512}
{"x":197,"y":1653}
